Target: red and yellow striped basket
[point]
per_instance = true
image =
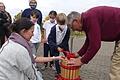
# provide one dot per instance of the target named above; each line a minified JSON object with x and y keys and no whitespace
{"x":69,"y":72}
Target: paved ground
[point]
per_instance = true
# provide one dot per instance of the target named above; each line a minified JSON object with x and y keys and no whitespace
{"x":97,"y":69}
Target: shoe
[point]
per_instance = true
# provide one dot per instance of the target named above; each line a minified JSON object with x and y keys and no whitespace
{"x":44,"y":67}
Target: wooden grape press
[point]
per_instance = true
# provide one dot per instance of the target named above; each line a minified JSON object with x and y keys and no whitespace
{"x":68,"y":72}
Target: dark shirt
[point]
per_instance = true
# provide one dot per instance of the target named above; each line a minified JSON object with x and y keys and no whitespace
{"x":100,"y":24}
{"x":27,"y":12}
{"x":5,"y":21}
{"x":9,"y":19}
{"x":52,"y":41}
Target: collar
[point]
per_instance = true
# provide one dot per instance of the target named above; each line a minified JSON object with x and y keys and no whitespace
{"x":57,"y":27}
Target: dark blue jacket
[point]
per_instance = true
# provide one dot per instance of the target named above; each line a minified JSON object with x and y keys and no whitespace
{"x":52,"y":40}
{"x":27,"y":12}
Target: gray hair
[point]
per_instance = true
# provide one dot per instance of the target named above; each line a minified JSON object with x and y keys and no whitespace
{"x":73,"y":15}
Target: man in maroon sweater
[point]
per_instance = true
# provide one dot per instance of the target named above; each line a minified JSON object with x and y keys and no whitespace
{"x":100,"y":24}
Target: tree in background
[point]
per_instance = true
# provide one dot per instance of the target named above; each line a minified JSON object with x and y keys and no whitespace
{"x":46,"y":18}
{"x":17,"y":16}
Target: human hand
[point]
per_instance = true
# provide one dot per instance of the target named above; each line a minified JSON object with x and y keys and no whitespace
{"x":76,"y":55}
{"x":44,"y":41}
{"x":75,"y":62}
{"x":59,"y":49}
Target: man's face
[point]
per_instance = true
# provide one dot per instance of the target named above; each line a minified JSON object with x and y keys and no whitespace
{"x":75,"y":25}
{"x":33,"y":4}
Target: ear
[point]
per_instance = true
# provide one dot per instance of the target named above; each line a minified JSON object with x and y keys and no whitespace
{"x":22,"y":31}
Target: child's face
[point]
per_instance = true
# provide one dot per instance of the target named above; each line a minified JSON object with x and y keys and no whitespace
{"x":34,"y":19}
{"x":52,"y":16}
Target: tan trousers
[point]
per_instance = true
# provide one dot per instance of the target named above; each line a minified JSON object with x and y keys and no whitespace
{"x":115,"y":65}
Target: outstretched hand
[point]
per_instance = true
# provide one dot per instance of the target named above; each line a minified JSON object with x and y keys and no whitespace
{"x":57,"y":58}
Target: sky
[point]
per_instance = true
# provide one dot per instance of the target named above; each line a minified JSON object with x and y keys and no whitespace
{"x":65,"y":6}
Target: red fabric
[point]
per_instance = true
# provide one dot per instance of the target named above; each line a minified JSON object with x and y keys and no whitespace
{"x":68,"y":54}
